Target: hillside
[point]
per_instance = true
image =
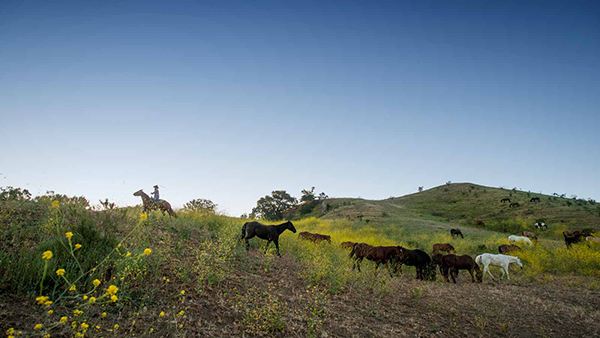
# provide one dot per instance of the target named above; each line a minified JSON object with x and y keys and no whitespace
{"x":464,"y":203}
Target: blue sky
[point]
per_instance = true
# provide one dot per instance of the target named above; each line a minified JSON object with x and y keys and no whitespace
{"x":230,"y":100}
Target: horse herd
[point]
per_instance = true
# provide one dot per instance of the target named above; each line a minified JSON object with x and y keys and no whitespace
{"x":393,"y":257}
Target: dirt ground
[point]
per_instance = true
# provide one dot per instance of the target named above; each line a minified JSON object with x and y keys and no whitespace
{"x":408,"y":308}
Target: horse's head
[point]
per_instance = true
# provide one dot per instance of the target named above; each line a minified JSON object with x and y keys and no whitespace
{"x":518,"y":262}
{"x":139,"y":192}
{"x":291,"y":227}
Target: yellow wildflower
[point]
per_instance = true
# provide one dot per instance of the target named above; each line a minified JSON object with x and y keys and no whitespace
{"x":77,"y":246}
{"x":181,"y":313}
{"x":10,"y":331}
{"x":114,"y":298}
{"x":37,"y":327}
{"x":96,"y":282}
{"x":103,"y":314}
{"x":143,"y":217}
{"x":112,"y":290}
{"x":77,"y":313}
{"x":64,"y":319}
{"x":161,"y":314}
{"x":50,"y":312}
{"x":69,"y":234}
{"x":116,"y":326}
{"x":128,"y":254}
{"x":41,"y":299}
{"x":47,"y":335}
{"x":47,"y":255}
{"x":182,"y":292}
{"x":84,"y":326}
{"x":147,"y":252}
{"x":97,"y":327}
{"x":55,"y":204}
{"x":92,"y":300}
{"x":60,"y":272}
{"x":85,"y":297}
{"x":48,"y":303}
{"x":73,"y":288}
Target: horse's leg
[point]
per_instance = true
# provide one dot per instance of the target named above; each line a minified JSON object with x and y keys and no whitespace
{"x":486,"y":268}
{"x":277,"y":246}
{"x":507,"y":275}
{"x":471,"y":273}
{"x":247,"y":244}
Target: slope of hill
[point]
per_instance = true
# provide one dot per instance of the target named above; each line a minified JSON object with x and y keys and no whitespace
{"x":464,"y":203}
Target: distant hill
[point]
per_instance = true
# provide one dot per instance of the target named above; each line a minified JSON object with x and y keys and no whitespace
{"x":464,"y":203}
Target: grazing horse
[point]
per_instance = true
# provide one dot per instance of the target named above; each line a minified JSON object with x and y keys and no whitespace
{"x":456,"y":233}
{"x":443,"y":247}
{"x":453,"y":263}
{"x":378,"y":254}
{"x":501,"y":261}
{"x":505,"y":200}
{"x":530,"y":235}
{"x":573,"y":237}
{"x":149,"y":203}
{"x":515,"y":204}
{"x":478,"y":222}
{"x":535,"y":199}
{"x":519,"y":239}
{"x":588,"y":232}
{"x":506,"y":248}
{"x":417,"y":258}
{"x":592,"y":239}
{"x":347,"y":245}
{"x":539,"y":225}
{"x":269,"y":232}
{"x":314,"y":237}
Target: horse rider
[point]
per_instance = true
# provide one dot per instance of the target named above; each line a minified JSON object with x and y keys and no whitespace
{"x":155,"y":193}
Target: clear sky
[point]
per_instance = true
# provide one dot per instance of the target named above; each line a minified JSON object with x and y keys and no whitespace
{"x":229,"y":100}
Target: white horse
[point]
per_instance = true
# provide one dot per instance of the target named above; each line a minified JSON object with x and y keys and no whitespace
{"x":518,"y":239}
{"x":501,"y":261}
{"x":592,"y":239}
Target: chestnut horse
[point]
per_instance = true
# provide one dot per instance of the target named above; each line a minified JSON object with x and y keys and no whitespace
{"x":443,"y":247}
{"x":378,"y":254}
{"x":454,"y":263}
{"x":316,"y":238}
{"x":506,"y":248}
{"x":149,"y":203}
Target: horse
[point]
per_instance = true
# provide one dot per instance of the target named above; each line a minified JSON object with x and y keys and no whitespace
{"x":505,"y":200}
{"x":269,"y":232}
{"x":314,"y":237}
{"x":453,"y":263}
{"x":347,"y":245}
{"x":535,"y":199}
{"x":539,"y":225}
{"x":530,"y":235}
{"x":501,"y":261}
{"x":456,"y":233}
{"x":377,"y":254}
{"x":478,"y":222}
{"x":515,"y":204}
{"x":417,"y":258}
{"x":506,"y":248}
{"x":573,"y":237}
{"x":518,"y":239}
{"x":443,"y":247}
{"x":149,"y":203}
{"x":592,"y":239}
{"x":588,"y":232}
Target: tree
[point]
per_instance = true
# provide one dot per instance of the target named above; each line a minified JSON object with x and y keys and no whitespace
{"x":201,"y":204}
{"x":420,"y":188}
{"x":308,"y":195}
{"x":272,"y":207}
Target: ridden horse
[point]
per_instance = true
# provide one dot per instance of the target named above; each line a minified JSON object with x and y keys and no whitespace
{"x":316,"y":238}
{"x":530,"y":235}
{"x":453,"y":263}
{"x":505,"y":200}
{"x":417,"y":258}
{"x":515,"y":204}
{"x":501,"y":261}
{"x":269,"y":232}
{"x":535,"y":199}
{"x":378,"y":254}
{"x":347,"y":245}
{"x":149,"y":203}
{"x":456,"y":233}
{"x":518,"y":239}
{"x":443,"y":247}
{"x":506,"y":248}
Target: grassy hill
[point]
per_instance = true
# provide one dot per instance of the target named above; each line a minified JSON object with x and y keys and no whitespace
{"x":460,"y":204}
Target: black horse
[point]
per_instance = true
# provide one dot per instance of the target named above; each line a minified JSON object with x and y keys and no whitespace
{"x":268,"y":232}
{"x":419,"y":259}
{"x":456,"y":233}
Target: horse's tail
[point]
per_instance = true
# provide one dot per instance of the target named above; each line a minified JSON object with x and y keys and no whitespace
{"x":244,"y":230}
{"x":478,"y":259}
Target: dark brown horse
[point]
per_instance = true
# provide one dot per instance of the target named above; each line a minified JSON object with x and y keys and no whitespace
{"x":417,"y":258}
{"x":535,"y":199}
{"x":506,"y":248}
{"x":269,"y":232}
{"x":453,"y":263}
{"x":149,"y":203}
{"x":316,"y":238}
{"x":515,"y":204}
{"x":379,"y":255}
{"x":573,"y":237}
{"x":456,"y":233}
{"x":505,"y":200}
